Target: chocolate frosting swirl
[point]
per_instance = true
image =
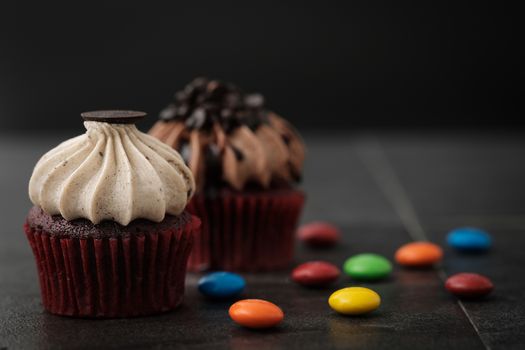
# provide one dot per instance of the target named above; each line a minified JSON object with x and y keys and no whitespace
{"x":229,"y":138}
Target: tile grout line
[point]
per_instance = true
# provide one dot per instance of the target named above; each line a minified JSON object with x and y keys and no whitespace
{"x":387,"y":180}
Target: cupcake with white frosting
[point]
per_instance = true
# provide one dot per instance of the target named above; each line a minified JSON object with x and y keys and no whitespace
{"x":247,"y":162}
{"x":109,"y":229}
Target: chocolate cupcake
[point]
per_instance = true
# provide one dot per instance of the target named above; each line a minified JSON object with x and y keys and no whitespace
{"x":247,"y":162}
{"x":108,"y":227}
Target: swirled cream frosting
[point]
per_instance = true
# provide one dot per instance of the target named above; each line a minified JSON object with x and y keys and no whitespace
{"x":228,"y":138}
{"x":112,"y":172}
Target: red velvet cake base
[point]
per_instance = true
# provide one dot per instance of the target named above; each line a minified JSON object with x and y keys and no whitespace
{"x":245,"y":231}
{"x":123,"y":276}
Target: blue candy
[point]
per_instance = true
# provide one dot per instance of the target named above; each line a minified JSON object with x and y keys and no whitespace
{"x":469,"y":239}
{"x":221,"y":284}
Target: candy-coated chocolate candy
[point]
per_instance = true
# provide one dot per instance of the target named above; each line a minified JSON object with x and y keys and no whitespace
{"x":469,"y":285}
{"x":354,"y":300}
{"x":315,"y":273}
{"x":367,"y":267}
{"x":221,"y":284}
{"x":256,"y":313}
{"x":419,"y":254}
{"x":469,"y":238}
{"x":319,"y":234}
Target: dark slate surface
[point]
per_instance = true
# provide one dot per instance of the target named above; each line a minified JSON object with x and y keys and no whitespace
{"x":473,"y":181}
{"x":501,"y":317}
{"x":446,"y":180}
{"x":474,"y":178}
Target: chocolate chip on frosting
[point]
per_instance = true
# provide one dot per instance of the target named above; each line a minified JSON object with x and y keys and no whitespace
{"x":180,"y":96}
{"x":168,"y":113}
{"x":222,"y":102}
{"x":182,"y":111}
{"x":254,"y":101}
{"x":197,"y":119}
{"x":232,"y":100}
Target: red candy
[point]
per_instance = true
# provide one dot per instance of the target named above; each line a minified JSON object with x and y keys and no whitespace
{"x":319,"y":234}
{"x":315,"y":273}
{"x":469,"y":285}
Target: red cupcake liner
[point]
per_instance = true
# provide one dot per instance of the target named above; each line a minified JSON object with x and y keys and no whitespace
{"x":245,"y":232}
{"x":112,"y":277}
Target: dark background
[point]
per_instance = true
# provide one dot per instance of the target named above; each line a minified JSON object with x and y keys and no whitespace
{"x":324,"y":64}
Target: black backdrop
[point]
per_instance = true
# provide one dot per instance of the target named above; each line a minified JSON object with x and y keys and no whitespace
{"x":323,"y":64}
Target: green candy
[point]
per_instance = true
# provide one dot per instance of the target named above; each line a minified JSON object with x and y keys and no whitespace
{"x":367,"y":267}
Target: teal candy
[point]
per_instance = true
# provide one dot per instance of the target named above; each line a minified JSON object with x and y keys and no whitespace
{"x":221,"y":284}
{"x":367,"y":267}
{"x":469,"y":239}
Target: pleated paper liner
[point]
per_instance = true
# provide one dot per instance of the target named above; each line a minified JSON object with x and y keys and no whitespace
{"x":245,"y":232}
{"x":128,"y":276}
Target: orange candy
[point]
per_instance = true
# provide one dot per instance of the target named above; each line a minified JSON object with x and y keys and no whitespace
{"x":256,"y":313}
{"x":419,"y":254}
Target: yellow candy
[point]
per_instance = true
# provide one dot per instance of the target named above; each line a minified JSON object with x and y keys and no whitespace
{"x":354,"y":300}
